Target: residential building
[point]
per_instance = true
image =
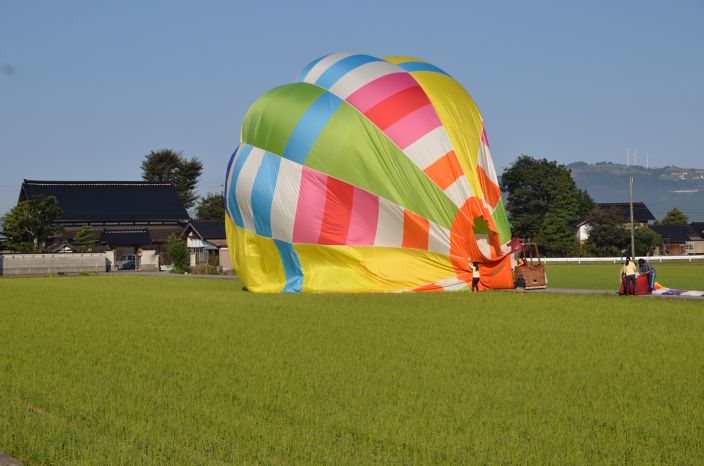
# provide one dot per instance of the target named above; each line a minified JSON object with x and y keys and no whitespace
{"x":642,"y":217}
{"x":207,"y":243}
{"x":128,"y":216}
{"x":679,"y":240}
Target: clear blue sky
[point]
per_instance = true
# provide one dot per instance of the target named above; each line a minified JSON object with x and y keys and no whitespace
{"x":87,"y":88}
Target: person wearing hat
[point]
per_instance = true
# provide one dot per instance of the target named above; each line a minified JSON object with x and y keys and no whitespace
{"x":645,"y":267}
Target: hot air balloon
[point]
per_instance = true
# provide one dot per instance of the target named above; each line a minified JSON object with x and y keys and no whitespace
{"x":366,"y":175}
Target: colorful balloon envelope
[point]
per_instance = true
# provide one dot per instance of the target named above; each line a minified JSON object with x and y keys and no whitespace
{"x":367,"y":175}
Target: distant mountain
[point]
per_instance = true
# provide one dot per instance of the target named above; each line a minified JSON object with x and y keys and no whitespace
{"x":659,"y":188}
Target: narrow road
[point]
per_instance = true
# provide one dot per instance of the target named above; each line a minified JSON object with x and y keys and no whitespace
{"x":7,"y":461}
{"x":608,"y":292}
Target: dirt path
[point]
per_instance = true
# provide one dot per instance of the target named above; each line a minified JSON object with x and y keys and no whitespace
{"x":608,"y":292}
{"x":7,"y":461}
{"x":573,"y":291}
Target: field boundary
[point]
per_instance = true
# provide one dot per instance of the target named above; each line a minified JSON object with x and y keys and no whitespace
{"x":615,"y":260}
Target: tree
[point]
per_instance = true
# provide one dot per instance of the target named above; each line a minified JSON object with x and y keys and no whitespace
{"x":168,"y":166}
{"x":607,"y":235}
{"x":31,"y":223}
{"x":557,"y":233}
{"x":674,"y":217}
{"x":544,"y":203}
{"x":211,"y":207}
{"x":178,"y":252}
{"x":645,"y":241}
{"x":84,"y":239}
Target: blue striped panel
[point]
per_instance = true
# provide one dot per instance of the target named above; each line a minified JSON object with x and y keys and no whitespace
{"x":310,"y":66}
{"x":292,"y":267}
{"x":411,"y":66}
{"x":231,"y":197}
{"x":227,"y":177}
{"x":341,"y":68}
{"x":263,"y":193}
{"x":310,"y":126}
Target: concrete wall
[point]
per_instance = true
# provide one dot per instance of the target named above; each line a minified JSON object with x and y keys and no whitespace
{"x":149,"y":260}
{"x":225,"y":260}
{"x":42,"y":264}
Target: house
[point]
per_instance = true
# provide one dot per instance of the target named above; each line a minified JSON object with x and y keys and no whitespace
{"x":642,"y":216}
{"x":583,"y":229}
{"x":128,"y":216}
{"x":699,"y":227}
{"x":207,"y":243}
{"x":62,"y":246}
{"x":679,"y":240}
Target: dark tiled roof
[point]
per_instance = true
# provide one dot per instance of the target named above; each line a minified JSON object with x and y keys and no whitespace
{"x":675,"y":233}
{"x":105,"y":201}
{"x":641,"y":213}
{"x":132,"y":237}
{"x":57,"y":247}
{"x":699,"y":227}
{"x":160,"y":234}
{"x":209,"y":229}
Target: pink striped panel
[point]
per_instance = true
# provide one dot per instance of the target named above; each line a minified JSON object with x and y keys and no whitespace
{"x":413,"y":126}
{"x":484,"y":139}
{"x":311,"y":206}
{"x":365,"y":215}
{"x":371,"y":94}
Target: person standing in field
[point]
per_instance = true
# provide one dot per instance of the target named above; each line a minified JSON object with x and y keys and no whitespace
{"x":629,"y":271}
{"x":646,"y":267}
{"x":475,"y":277}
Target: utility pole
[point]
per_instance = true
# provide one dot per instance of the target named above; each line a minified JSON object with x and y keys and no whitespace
{"x":630,"y":200}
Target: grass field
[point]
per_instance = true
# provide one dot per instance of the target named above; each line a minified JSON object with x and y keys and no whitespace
{"x":605,"y":276}
{"x":145,"y":370}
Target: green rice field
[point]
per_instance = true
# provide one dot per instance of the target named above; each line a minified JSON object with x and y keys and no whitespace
{"x":108,"y":370}
{"x":606,"y":276}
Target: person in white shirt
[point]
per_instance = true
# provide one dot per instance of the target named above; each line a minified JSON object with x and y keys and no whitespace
{"x":475,"y":277}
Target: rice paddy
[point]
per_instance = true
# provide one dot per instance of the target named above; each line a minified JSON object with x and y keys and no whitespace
{"x":606,"y":276}
{"x":147,"y":370}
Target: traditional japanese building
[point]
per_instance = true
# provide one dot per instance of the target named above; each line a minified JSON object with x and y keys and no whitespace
{"x":126,"y":215}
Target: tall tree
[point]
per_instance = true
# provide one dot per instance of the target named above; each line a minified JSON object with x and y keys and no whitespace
{"x":607,"y":235}
{"x":84,"y":239}
{"x":544,"y":203}
{"x":557,"y":235}
{"x":211,"y":207}
{"x":168,"y":166}
{"x":674,"y":216}
{"x":31,"y":223}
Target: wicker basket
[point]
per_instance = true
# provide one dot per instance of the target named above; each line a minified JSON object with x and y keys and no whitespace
{"x":534,"y":275}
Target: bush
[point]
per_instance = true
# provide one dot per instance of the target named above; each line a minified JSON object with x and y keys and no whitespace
{"x":205,"y":269}
{"x":178,"y":253}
